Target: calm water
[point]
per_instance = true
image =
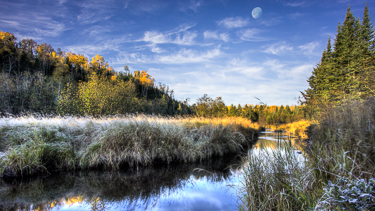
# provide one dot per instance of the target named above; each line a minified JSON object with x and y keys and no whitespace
{"x":204,"y":186}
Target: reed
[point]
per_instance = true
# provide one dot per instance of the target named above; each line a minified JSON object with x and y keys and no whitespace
{"x":276,"y":180}
{"x":339,"y":163}
{"x":31,"y":144}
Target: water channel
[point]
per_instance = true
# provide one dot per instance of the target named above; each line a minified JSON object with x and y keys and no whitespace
{"x":210,"y":185}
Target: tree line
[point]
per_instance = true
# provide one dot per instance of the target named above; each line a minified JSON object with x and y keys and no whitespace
{"x":36,"y":78}
{"x":262,"y":113}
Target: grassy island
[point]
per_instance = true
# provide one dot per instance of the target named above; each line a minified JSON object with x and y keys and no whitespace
{"x":33,"y":145}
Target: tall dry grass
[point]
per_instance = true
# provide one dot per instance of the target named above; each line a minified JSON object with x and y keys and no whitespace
{"x":297,"y":128}
{"x":276,"y":180}
{"x":31,"y":145}
{"x":339,"y":157}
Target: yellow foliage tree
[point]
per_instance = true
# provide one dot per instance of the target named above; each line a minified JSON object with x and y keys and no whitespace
{"x":99,"y":65}
{"x":100,"y":96}
{"x":145,"y":80}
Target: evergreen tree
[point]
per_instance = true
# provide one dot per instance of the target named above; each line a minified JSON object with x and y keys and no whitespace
{"x":367,"y":34}
{"x":347,"y":70}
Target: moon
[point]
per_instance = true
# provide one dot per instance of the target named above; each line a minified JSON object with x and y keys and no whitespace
{"x":257,"y":12}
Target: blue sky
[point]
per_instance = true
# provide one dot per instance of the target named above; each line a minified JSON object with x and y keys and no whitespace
{"x":195,"y":47}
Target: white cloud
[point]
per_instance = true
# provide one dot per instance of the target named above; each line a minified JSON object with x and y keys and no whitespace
{"x":178,"y":36}
{"x":309,"y":47}
{"x":271,"y":21}
{"x":274,"y":65}
{"x":156,"y":37}
{"x":37,"y":26}
{"x":181,"y":28}
{"x":277,"y":49}
{"x":302,"y":71}
{"x":155,"y":49}
{"x":89,"y":16}
{"x":13,"y":24}
{"x":224,"y":37}
{"x":194,"y":5}
{"x":250,"y":35}
{"x":254,"y":72}
{"x":187,"y":38}
{"x":98,"y":47}
{"x":188,"y":56}
{"x":285,"y":71}
{"x":62,"y":1}
{"x":183,"y":56}
{"x":233,"y":22}
{"x":126,"y":3}
{"x":297,"y":3}
{"x":215,"y":35}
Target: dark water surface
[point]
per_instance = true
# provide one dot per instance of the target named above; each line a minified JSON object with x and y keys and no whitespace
{"x":200,"y":186}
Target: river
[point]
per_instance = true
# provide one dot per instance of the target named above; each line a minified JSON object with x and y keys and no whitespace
{"x":209,"y":185}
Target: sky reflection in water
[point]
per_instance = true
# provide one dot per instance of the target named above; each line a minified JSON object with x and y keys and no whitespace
{"x":175,"y":187}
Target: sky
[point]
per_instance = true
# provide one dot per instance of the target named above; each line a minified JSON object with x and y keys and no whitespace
{"x":195,"y":47}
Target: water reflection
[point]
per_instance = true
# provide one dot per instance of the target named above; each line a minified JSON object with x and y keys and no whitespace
{"x":278,"y":140}
{"x":279,"y":148}
{"x":198,"y":186}
{"x":181,"y":186}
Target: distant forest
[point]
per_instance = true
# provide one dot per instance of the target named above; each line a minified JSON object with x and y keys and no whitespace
{"x":34,"y":78}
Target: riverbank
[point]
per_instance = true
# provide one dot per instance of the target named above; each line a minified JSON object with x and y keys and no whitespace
{"x":337,"y":173}
{"x":37,"y":145}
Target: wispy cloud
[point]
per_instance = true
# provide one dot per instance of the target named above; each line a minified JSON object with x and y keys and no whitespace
{"x":296,"y":72}
{"x":309,"y":47}
{"x":295,"y":15}
{"x":126,"y":3}
{"x":98,"y":47}
{"x":36,"y":26}
{"x":90,"y":17}
{"x":297,"y":3}
{"x":178,"y":36}
{"x":250,"y":35}
{"x":233,"y":22}
{"x":187,"y":38}
{"x":271,"y":21}
{"x":155,"y":37}
{"x":183,"y":56}
{"x":96,"y":30}
{"x":342,"y":1}
{"x":277,"y":48}
{"x":144,"y":6}
{"x":274,"y":65}
{"x":215,"y":35}
{"x":62,"y":1}
{"x":155,"y":48}
{"x":195,"y":4}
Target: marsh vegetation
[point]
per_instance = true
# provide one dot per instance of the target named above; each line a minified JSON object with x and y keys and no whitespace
{"x":34,"y":145}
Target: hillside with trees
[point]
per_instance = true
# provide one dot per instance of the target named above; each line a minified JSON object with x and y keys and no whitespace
{"x":36,"y":78}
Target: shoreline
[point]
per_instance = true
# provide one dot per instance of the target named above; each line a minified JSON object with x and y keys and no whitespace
{"x":35,"y":147}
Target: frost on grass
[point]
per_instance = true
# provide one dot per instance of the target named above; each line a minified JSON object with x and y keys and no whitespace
{"x":33,"y":144}
{"x":348,"y":194}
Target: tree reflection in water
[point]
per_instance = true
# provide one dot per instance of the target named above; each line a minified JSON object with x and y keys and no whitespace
{"x":99,"y":190}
